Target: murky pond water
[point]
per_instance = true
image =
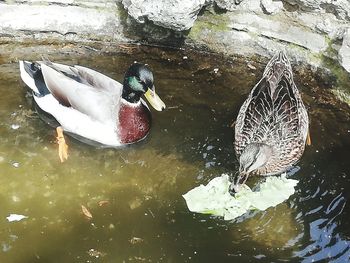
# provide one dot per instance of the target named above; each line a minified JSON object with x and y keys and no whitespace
{"x":134,"y":193}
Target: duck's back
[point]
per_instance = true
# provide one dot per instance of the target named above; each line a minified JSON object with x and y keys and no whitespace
{"x":274,"y":114}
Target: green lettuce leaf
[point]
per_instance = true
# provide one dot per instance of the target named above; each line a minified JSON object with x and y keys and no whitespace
{"x":215,"y":199}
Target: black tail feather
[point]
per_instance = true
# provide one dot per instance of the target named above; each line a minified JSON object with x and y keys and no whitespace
{"x":34,"y":71}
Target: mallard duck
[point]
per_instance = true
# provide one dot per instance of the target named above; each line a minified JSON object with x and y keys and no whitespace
{"x":91,"y":105}
{"x":272,"y":124}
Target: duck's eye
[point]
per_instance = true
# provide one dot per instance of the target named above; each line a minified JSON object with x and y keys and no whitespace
{"x":139,"y":80}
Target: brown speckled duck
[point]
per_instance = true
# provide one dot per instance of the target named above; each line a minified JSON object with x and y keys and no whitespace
{"x":272,"y":125}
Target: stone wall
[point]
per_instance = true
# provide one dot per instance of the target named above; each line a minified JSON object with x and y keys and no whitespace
{"x":313,"y":32}
{"x":309,"y":30}
{"x":67,"y":20}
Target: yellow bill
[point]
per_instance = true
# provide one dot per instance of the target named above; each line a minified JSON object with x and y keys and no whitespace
{"x":154,"y":100}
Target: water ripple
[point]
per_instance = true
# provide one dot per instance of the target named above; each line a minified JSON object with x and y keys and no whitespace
{"x":325,"y":241}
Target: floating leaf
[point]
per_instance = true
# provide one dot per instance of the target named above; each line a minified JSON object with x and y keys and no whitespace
{"x":215,"y":199}
{"x":86,"y":212}
{"x":15,"y":217}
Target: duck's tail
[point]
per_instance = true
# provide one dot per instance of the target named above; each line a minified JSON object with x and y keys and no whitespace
{"x":277,"y":66}
{"x":32,"y":76}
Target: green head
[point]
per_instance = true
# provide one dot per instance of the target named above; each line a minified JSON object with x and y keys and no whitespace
{"x":138,"y":80}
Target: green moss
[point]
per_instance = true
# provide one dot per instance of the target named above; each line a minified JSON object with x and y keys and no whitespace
{"x":296,"y":47}
{"x":342,"y":95}
{"x":342,"y":75}
{"x":209,"y":21}
{"x":332,"y":64}
{"x":342,"y":89}
{"x":329,"y":60}
{"x":121,"y":12}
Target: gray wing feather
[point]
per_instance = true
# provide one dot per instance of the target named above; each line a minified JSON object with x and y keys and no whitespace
{"x":274,"y":114}
{"x":88,"y":91}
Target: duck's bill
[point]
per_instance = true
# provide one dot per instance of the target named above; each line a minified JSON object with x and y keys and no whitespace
{"x":154,"y":100}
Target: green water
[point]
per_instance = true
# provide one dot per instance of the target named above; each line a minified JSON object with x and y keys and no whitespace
{"x":144,"y":217}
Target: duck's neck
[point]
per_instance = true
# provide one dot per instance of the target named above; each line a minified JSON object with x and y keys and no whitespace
{"x":129,"y":94}
{"x":127,"y":103}
{"x":134,"y":121}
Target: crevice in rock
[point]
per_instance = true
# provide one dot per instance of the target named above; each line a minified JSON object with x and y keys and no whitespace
{"x":240,"y":29}
{"x":330,"y":8}
{"x":46,"y":3}
{"x":283,"y":41}
{"x":54,"y":32}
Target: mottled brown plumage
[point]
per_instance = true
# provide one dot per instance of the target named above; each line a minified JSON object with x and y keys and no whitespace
{"x":273,"y":121}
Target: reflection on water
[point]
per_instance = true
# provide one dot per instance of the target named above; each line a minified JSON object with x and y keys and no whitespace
{"x":275,"y":228}
{"x":134,"y":193}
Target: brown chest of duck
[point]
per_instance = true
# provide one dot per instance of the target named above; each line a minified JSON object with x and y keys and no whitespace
{"x":272,"y":125}
{"x":92,"y":106}
{"x":134,"y":115}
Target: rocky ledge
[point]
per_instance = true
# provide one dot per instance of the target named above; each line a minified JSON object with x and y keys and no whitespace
{"x":255,"y":26}
{"x":315,"y":32}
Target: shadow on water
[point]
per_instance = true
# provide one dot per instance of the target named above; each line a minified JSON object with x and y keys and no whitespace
{"x":134,"y":193}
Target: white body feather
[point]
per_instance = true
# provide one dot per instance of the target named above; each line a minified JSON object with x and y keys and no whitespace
{"x":100,"y":123}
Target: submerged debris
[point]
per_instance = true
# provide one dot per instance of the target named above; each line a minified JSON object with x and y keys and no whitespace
{"x":136,"y":240}
{"x":15,"y":126}
{"x":103,"y":202}
{"x":15,"y":164}
{"x":95,"y":253}
{"x":86,"y":212}
{"x":133,"y":204}
{"x":251,"y":66}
